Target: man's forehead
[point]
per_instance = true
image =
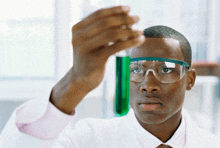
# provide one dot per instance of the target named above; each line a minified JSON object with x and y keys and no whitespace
{"x":158,"y":47}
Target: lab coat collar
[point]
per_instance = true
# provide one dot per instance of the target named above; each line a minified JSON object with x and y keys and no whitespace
{"x":147,"y":139}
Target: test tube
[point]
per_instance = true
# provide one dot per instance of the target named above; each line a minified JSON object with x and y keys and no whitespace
{"x":122,"y":92}
{"x":122,"y":83}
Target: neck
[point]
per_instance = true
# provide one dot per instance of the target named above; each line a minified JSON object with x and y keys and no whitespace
{"x":164,"y":131}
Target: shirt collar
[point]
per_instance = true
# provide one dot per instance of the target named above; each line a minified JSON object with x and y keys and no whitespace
{"x":147,"y":139}
{"x":179,"y":137}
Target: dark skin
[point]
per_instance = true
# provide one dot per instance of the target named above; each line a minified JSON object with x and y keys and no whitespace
{"x":90,"y":38}
{"x":164,"y":121}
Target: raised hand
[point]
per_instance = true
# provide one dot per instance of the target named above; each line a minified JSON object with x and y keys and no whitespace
{"x":91,"y":50}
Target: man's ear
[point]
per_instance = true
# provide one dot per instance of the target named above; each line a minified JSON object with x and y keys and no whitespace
{"x":191,"y":78}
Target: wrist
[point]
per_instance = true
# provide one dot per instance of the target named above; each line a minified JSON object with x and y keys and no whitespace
{"x":68,"y":93}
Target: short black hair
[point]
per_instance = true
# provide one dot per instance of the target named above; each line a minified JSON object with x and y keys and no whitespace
{"x":167,"y":32}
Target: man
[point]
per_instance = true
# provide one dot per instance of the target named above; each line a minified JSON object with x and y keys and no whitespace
{"x":160,"y":75}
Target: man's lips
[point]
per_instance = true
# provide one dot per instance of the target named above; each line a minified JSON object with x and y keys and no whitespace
{"x":150,"y":104}
{"x":150,"y":107}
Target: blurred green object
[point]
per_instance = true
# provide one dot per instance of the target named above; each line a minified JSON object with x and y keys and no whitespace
{"x":122,"y":85}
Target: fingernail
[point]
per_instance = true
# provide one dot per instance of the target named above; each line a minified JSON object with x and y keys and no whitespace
{"x":125,"y":8}
{"x":135,"y":18}
{"x":142,"y":38}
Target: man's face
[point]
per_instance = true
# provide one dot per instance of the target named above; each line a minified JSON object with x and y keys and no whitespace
{"x":170,"y":96}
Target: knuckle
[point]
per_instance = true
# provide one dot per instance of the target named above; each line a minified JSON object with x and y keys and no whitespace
{"x":90,"y":33}
{"x":73,"y":28}
{"x":106,"y":36}
{"x":77,"y":38}
{"x":104,"y":23}
{"x":99,"y":12}
{"x":120,"y":8}
{"x":111,"y":35}
{"x":123,"y":34}
{"x":76,"y":26}
{"x":133,"y":33}
{"x":127,"y":19}
{"x":119,"y":20}
{"x":134,"y":41}
{"x":124,"y":19}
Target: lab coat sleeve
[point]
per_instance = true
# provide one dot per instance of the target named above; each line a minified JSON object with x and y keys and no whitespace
{"x":36,"y":123}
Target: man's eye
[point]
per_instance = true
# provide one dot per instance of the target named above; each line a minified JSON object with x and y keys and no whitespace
{"x":167,"y":70}
{"x":137,"y":70}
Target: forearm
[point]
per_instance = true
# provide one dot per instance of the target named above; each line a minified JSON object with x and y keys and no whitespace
{"x":68,"y":93}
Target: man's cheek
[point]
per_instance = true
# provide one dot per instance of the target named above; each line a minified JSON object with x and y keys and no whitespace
{"x":176,"y":95}
{"x":173,"y":87}
{"x":133,"y":90}
{"x":132,"y":102}
{"x":170,"y":94}
{"x":133,"y":95}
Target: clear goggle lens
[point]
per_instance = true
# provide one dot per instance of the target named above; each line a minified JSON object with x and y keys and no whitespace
{"x":165,"y":72}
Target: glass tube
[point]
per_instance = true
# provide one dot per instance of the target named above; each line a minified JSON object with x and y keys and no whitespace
{"x":122,"y":92}
{"x":122,"y":85}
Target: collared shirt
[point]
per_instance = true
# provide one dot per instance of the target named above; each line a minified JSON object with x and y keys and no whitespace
{"x":28,"y":127}
{"x":117,"y":132}
{"x":178,"y":140}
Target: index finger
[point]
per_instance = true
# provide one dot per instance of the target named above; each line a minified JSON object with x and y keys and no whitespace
{"x":100,"y":14}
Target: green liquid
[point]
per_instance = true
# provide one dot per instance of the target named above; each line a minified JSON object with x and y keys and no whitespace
{"x":122,"y":85}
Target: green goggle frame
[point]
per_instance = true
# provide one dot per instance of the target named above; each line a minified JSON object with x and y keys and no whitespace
{"x":160,"y":59}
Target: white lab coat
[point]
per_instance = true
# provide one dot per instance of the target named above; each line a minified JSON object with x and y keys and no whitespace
{"x":102,"y":133}
{"x":107,"y":136}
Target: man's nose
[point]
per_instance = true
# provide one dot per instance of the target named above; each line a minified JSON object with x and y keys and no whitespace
{"x":150,"y":84}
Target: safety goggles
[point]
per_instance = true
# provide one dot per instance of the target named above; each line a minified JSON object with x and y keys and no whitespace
{"x":164,"y":70}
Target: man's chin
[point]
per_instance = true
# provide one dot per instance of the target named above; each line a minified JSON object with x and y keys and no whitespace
{"x":150,"y":117}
